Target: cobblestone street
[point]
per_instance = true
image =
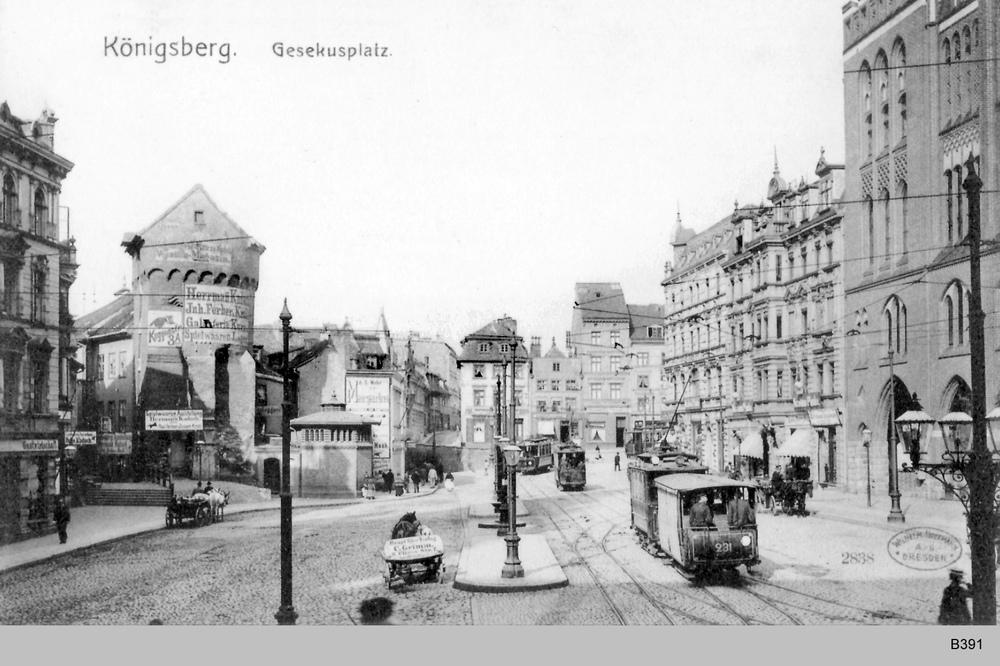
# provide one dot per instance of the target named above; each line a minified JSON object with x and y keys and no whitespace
{"x":228,"y":573}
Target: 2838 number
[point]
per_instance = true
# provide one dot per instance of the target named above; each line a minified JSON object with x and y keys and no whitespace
{"x":858,"y":558}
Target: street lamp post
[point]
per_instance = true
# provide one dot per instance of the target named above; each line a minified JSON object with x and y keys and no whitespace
{"x":512,"y":566}
{"x":286,"y":611}
{"x":895,"y":512}
{"x":866,"y":441}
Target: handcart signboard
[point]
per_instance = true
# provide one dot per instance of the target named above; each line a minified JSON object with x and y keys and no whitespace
{"x":413,"y":548}
{"x":174,"y":419}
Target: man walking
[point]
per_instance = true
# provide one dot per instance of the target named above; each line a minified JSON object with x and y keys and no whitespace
{"x":61,"y":515}
{"x":618,"y":462}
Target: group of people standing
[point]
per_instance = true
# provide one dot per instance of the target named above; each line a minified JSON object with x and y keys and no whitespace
{"x":739,"y":513}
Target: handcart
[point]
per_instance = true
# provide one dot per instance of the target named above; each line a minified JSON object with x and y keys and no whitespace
{"x":416,"y":559}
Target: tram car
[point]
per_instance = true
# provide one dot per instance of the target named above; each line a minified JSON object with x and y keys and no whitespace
{"x":536,"y":455}
{"x":570,"y":467}
{"x":643,"y":470}
{"x":726,"y":544}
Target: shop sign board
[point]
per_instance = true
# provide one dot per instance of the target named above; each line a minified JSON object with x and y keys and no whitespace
{"x":368,"y":396}
{"x":116,"y":443}
{"x":30,"y":446}
{"x":174,"y":419}
{"x":211,"y":314}
{"x":81,"y":438}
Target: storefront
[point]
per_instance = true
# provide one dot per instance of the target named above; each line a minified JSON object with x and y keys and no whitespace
{"x":28,"y":486}
{"x":827,"y":423}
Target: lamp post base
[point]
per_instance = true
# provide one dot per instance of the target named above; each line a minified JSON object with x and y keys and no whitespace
{"x":286,"y":615}
{"x":512,"y":567}
{"x":895,"y":512}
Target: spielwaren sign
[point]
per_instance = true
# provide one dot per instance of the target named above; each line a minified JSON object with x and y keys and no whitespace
{"x":211,"y":315}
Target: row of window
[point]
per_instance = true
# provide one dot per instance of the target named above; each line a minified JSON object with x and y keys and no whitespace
{"x":30,"y":395}
{"x":487,"y":347}
{"x":10,"y":281}
{"x":706,"y":383}
{"x":961,"y":76}
{"x":955,"y":311}
{"x":891,"y":89}
{"x":116,"y":365}
{"x":479,"y":371}
{"x":555,"y":384}
{"x":10,"y":212}
{"x":557,"y":405}
{"x":329,"y":435}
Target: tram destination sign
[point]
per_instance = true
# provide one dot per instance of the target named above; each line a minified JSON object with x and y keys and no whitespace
{"x":174,"y":419}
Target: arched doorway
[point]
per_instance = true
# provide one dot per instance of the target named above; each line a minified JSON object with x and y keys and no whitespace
{"x":272,"y":474}
{"x":902,"y":401}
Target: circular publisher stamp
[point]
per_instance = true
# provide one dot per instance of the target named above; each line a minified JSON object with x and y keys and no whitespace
{"x":925,"y":548}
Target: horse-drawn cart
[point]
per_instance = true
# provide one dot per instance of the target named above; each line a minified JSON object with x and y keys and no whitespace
{"x":195,"y":510}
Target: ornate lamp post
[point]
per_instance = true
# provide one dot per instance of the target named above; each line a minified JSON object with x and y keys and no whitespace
{"x":895,"y":511}
{"x":866,"y":441}
{"x":512,"y":566}
{"x":286,"y":612}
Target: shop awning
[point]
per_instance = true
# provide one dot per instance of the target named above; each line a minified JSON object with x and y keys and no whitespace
{"x":546,"y":428}
{"x":752,"y":446}
{"x":800,"y":444}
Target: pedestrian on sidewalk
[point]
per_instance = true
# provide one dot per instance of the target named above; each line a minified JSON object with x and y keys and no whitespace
{"x":61,"y":516}
{"x":953,"y":607}
{"x":449,"y":482}
{"x":598,"y":450}
{"x":390,"y":481}
{"x":618,"y":462}
{"x":432,"y":477}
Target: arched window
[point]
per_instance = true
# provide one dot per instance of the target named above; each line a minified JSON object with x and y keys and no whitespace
{"x":956,"y":74}
{"x":958,"y":205}
{"x":870,"y":206}
{"x":899,"y":62}
{"x":10,"y":212}
{"x":886,"y":212}
{"x":977,"y":76}
{"x":895,"y":325}
{"x":947,"y":77}
{"x":40,"y":217}
{"x":955,"y":307}
{"x":881,"y":66}
{"x":949,"y":205}
{"x":865,"y":78}
{"x":901,"y":191}
{"x":967,"y":36}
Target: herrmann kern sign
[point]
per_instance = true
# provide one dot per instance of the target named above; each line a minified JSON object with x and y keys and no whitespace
{"x":174,"y":419}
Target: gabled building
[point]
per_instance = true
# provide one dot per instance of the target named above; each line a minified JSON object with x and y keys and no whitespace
{"x":194,"y":277}
{"x":644,"y":363}
{"x":600,"y":334}
{"x":554,"y":393}
{"x":493,"y":364}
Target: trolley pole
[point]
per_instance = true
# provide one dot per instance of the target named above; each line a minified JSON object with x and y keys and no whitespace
{"x":286,"y":612}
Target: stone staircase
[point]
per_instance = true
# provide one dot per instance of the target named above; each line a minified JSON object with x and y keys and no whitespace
{"x":128,"y":496}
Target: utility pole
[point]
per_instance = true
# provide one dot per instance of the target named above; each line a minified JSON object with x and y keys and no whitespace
{"x":983,"y":472}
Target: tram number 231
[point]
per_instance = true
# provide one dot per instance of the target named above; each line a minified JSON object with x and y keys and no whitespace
{"x":723,"y":547}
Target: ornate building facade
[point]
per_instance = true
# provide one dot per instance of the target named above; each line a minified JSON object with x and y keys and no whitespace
{"x":920,"y":80}
{"x":37,"y":267}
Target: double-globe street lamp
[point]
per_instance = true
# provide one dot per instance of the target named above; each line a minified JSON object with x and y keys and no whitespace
{"x":961,"y":467}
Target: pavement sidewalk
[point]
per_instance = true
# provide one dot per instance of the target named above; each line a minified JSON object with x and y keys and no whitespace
{"x":93,"y":525}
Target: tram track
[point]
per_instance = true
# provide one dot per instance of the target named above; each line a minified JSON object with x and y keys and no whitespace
{"x":774,"y":607}
{"x":574,"y":544}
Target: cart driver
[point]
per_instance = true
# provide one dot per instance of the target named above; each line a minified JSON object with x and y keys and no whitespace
{"x":701,"y":513}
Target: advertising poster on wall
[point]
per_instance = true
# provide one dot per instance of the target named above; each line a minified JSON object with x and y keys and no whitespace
{"x":211,"y":314}
{"x":369,"y":397}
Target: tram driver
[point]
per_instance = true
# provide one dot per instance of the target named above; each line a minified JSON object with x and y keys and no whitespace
{"x":701,"y":513}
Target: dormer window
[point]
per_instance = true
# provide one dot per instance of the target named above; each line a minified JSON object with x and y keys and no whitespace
{"x":505,"y":348}
{"x":484,"y":347}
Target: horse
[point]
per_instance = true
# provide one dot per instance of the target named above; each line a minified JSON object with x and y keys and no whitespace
{"x":217,"y":500}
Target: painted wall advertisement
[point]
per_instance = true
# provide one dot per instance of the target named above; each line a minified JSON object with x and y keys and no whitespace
{"x":369,"y":397}
{"x":211,"y":314}
{"x":174,"y":419}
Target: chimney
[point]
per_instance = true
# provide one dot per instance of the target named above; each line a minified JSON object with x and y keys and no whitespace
{"x":536,"y":346}
{"x":44,"y":129}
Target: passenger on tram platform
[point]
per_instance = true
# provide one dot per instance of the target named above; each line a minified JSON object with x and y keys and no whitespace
{"x":739,"y":513}
{"x":701,"y":513}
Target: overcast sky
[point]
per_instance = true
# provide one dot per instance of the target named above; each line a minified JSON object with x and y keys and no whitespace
{"x":499,"y":153}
